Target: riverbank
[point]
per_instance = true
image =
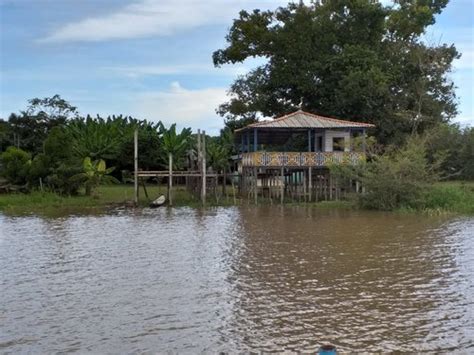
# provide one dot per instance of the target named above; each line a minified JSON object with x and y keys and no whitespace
{"x":447,"y":197}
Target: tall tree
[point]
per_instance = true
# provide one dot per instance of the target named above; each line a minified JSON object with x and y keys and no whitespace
{"x":30,"y":128}
{"x":353,"y":59}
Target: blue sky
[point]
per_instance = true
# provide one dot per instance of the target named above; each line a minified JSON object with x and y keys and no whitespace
{"x":152,"y":58}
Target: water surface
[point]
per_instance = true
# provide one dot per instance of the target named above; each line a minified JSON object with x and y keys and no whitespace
{"x":236,"y":279}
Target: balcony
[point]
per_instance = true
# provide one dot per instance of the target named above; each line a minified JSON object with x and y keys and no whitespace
{"x":300,"y":159}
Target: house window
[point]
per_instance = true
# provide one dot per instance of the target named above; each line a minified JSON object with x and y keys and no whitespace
{"x":338,"y":144}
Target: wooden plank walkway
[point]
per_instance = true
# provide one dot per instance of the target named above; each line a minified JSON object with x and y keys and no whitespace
{"x":165,"y":173}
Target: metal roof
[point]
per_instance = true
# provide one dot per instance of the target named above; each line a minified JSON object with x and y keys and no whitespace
{"x":302,"y":119}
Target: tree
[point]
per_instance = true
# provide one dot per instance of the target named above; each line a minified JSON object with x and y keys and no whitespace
{"x":15,"y":165}
{"x":353,"y":59}
{"x":31,"y":127}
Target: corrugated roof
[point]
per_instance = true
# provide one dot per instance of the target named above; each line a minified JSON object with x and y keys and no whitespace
{"x":302,"y":119}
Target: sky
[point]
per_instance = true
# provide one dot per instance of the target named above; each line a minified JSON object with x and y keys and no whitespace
{"x":151,"y":59}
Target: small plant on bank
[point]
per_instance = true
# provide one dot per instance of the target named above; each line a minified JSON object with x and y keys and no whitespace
{"x":94,"y":174}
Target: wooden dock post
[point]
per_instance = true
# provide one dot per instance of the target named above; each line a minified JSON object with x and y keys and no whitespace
{"x":255,"y":183}
{"x":135,"y":163}
{"x":282,"y":186}
{"x":310,"y":183}
{"x":203,"y":171}
{"x":170,"y":179}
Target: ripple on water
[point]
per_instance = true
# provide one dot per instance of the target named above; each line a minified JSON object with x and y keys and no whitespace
{"x":236,"y":279}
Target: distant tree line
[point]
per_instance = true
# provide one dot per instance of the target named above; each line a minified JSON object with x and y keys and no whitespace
{"x":50,"y":144}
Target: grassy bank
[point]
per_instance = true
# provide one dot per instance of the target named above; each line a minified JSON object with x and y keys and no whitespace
{"x":456,"y":197}
{"x":107,"y":197}
{"x":448,"y":197}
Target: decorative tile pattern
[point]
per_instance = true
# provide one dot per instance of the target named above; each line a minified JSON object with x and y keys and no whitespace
{"x":303,"y":159}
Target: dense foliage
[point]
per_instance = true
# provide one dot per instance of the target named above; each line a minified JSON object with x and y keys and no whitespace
{"x":403,"y":177}
{"x":75,"y":151}
{"x":352,"y":59}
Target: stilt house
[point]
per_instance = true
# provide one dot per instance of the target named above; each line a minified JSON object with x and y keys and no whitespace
{"x":293,"y":153}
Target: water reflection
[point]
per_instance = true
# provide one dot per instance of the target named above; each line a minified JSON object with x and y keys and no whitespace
{"x":230,"y":279}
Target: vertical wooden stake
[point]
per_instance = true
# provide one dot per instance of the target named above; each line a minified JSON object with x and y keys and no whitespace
{"x":282,"y":186}
{"x":310,"y":183}
{"x":305,"y":190}
{"x":203,"y":154}
{"x":135,"y":161}
{"x":330,"y":187}
{"x":170,"y":179}
{"x":255,"y":191}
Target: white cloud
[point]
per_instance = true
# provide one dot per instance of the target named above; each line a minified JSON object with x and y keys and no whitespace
{"x":188,"y":108}
{"x":153,"y":18}
{"x":158,"y":70}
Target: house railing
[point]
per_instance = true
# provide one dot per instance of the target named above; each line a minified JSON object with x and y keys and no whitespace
{"x":303,"y":159}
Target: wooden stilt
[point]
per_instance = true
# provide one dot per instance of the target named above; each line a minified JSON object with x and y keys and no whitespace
{"x":135,"y":164}
{"x":203,"y":172}
{"x":282,"y":186}
{"x":255,"y":187}
{"x":330,"y":187}
{"x":170,"y":179}
{"x":144,"y":189}
{"x":310,"y":183}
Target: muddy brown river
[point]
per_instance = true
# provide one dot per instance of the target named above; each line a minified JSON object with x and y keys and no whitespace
{"x":236,"y":280}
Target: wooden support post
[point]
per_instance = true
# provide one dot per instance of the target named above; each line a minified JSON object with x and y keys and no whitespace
{"x":144,"y":189}
{"x":305,"y":191}
{"x":255,"y":187}
{"x":255,"y":139}
{"x":248,"y":141}
{"x":310,"y":183}
{"x":330,"y":186}
{"x":282,"y":185}
{"x":135,"y":164}
{"x":309,"y":140}
{"x":203,"y":171}
{"x":170,"y":179}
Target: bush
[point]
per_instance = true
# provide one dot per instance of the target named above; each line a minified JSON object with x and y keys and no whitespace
{"x":397,"y":178}
{"x":15,"y":165}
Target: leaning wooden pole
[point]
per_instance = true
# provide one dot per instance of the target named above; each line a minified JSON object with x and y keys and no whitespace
{"x":135,"y":160}
{"x":203,"y":171}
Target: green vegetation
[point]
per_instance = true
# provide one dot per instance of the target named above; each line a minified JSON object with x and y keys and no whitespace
{"x":455,"y":197}
{"x":406,"y":179}
{"x":358,"y":60}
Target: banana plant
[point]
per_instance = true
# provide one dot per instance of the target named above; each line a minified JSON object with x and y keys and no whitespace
{"x":94,"y":173}
{"x":176,"y":144}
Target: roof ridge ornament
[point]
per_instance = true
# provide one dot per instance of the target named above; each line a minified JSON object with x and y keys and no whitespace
{"x":300,"y":105}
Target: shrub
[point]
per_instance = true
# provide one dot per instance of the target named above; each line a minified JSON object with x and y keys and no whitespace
{"x":15,"y":165}
{"x":396,"y":179}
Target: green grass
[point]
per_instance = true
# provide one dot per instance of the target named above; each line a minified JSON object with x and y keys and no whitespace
{"x":453,"y":196}
{"x":440,"y":198}
{"x":48,"y":203}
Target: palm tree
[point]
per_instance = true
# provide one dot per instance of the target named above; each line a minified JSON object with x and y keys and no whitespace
{"x":94,"y":174}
